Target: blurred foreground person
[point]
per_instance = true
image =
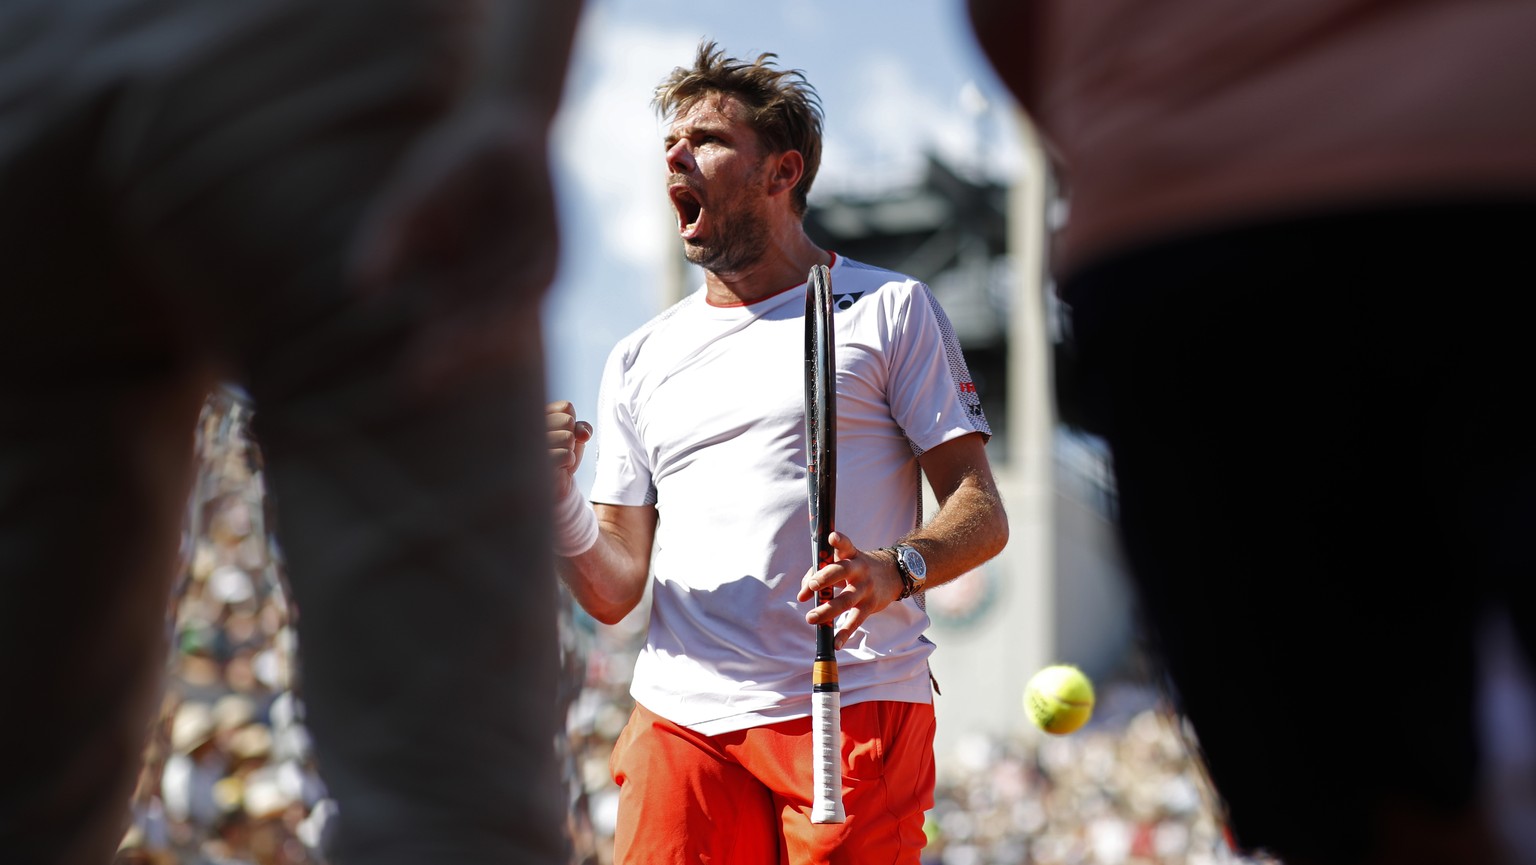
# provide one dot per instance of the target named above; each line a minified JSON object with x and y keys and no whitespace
{"x":345,"y":207}
{"x":1298,"y":271}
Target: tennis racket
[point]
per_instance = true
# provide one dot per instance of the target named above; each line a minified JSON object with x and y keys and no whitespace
{"x":821,"y":474}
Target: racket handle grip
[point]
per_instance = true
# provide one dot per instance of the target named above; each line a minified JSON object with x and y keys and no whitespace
{"x":827,"y":768}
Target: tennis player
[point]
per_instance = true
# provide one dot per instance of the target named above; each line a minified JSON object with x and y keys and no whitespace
{"x":700,"y":495}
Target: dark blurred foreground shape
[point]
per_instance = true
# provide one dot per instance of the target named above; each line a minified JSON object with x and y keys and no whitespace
{"x":346,"y":208}
{"x":1300,"y":289}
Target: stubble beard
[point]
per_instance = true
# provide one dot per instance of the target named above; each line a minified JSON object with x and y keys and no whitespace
{"x":740,"y":243}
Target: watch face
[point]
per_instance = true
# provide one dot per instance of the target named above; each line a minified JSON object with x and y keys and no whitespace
{"x":913,"y":561}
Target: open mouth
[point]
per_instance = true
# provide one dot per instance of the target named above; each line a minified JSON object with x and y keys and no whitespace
{"x":689,"y":209}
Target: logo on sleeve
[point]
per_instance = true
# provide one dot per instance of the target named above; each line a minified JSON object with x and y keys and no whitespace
{"x":846,"y":299}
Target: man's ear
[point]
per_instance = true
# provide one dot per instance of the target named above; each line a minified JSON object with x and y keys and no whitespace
{"x":785,"y":170}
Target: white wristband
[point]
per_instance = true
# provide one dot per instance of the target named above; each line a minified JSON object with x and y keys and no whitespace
{"x":575,"y":524}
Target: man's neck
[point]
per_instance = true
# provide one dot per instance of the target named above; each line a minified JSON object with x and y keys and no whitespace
{"x":782,"y":265}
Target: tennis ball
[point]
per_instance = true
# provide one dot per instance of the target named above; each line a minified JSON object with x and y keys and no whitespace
{"x":1059,"y":699}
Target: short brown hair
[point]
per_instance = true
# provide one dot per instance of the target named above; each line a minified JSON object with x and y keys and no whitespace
{"x":781,"y":105}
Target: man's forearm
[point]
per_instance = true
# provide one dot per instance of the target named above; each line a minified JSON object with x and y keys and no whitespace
{"x":608,"y":580}
{"x":969,"y":529}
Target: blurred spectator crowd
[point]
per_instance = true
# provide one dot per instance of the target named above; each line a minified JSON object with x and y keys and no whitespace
{"x":230,"y":778}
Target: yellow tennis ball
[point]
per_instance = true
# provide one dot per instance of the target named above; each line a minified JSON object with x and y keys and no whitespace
{"x":1059,"y":699}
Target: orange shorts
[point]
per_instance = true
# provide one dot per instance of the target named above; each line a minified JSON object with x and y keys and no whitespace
{"x":743,"y":798}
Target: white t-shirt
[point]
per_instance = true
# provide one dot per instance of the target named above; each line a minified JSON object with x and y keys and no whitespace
{"x":702,"y":413}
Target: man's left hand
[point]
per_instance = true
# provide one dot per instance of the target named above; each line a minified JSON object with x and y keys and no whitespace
{"x":869,"y":582}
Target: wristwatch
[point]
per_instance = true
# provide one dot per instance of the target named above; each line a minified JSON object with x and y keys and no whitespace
{"x":912,"y":567}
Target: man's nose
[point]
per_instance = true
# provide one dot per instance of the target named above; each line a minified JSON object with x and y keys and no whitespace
{"x":680,"y":157}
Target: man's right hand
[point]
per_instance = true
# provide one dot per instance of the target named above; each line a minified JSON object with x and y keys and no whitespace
{"x":603,"y":551}
{"x":568,"y":439}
